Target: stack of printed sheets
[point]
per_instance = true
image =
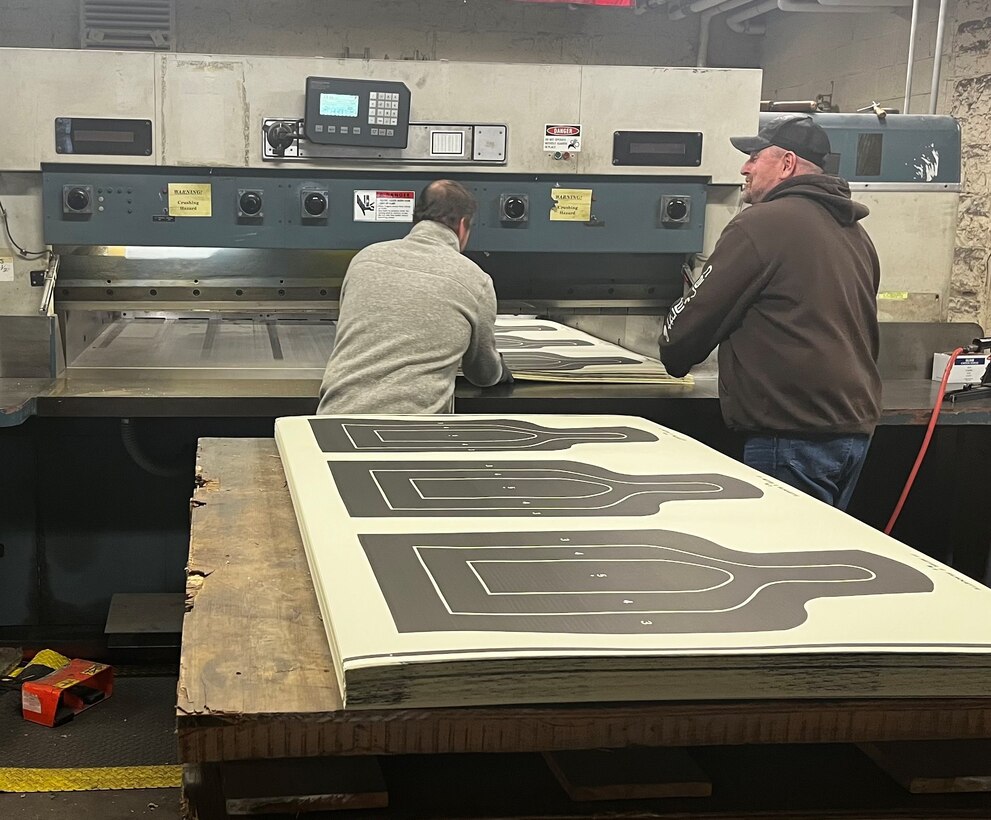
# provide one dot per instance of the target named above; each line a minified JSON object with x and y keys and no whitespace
{"x":463,"y":560}
{"x":539,"y":350}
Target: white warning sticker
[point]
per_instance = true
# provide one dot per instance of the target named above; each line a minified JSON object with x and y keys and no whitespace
{"x":30,"y":702}
{"x":384,"y":206}
{"x":6,"y":268}
{"x":563,"y":138}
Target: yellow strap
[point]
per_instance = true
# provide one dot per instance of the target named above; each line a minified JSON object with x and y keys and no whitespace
{"x":77,"y":780}
{"x":50,"y":658}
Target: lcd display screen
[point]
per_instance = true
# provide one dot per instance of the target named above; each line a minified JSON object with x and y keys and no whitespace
{"x":339,"y":105}
{"x":657,"y":148}
{"x":83,"y":135}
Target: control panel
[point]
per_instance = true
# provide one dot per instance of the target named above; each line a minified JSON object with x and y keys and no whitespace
{"x":427,"y":144}
{"x":330,"y":209}
{"x":372,"y":113}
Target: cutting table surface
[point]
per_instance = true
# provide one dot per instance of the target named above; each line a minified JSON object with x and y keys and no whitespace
{"x":209,"y":367}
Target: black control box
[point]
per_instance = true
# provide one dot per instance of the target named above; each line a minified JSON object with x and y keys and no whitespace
{"x":340,"y":111}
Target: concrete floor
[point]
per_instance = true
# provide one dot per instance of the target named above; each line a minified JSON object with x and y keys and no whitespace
{"x":161,"y":804}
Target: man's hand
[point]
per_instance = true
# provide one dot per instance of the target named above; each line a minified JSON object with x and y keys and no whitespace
{"x":507,"y":374}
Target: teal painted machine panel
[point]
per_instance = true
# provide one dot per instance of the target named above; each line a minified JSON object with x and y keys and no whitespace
{"x":279,"y":208}
{"x":901,"y":148}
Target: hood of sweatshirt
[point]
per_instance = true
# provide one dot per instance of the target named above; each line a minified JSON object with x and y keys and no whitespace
{"x":833,"y":193}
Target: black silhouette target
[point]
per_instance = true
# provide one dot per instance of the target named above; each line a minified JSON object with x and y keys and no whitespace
{"x":629,"y":582}
{"x":342,"y":435}
{"x":526,"y":328}
{"x":517,"y":488}
{"x":545,"y":362}
{"x":506,"y":342}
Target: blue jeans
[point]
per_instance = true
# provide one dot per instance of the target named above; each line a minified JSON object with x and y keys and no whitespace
{"x":825,"y":468}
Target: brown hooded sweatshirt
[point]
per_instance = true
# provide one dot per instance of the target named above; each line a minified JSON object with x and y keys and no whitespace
{"x":790,"y":296}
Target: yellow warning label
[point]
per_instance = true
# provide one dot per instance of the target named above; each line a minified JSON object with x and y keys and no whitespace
{"x":898,"y":295}
{"x":571,"y":205}
{"x":190,"y":199}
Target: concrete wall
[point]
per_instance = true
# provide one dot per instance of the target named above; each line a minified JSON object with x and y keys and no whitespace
{"x":855,"y":57}
{"x":483,"y":30}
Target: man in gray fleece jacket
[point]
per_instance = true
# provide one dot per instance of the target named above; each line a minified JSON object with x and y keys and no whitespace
{"x":411,"y":311}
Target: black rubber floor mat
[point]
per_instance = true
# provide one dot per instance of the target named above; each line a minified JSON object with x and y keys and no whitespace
{"x":134,"y":727}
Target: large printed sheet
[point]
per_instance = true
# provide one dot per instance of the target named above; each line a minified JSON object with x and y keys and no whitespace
{"x":511,"y":559}
{"x":539,"y":350}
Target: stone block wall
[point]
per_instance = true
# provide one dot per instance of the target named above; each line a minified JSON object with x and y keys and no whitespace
{"x":971,"y":105}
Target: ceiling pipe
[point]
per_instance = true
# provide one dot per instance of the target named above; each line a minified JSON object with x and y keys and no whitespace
{"x":937,"y":56}
{"x":682,"y":10}
{"x":910,"y":67}
{"x":706,"y":18}
{"x":798,"y":5}
{"x":740,"y":22}
{"x":868,"y":3}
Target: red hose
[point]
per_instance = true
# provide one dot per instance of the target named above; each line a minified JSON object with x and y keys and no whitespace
{"x":925,"y":442}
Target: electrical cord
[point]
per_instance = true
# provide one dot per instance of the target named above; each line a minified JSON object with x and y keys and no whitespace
{"x":22,"y":252}
{"x":925,"y":442}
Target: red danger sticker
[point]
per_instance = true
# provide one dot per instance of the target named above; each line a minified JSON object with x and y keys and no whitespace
{"x":563,"y":130}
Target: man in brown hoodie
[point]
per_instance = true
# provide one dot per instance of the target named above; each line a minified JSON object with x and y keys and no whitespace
{"x":789,"y":294}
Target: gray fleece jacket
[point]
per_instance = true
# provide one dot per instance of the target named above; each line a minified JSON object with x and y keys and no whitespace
{"x":412,"y":310}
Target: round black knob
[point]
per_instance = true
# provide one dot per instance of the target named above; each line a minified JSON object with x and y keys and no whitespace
{"x":250,"y":203}
{"x":281,"y":135}
{"x":315,"y":204}
{"x":77,"y":199}
{"x":677,"y":209}
{"x":514,"y":208}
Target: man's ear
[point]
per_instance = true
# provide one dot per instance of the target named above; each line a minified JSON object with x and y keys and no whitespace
{"x":464,"y":228}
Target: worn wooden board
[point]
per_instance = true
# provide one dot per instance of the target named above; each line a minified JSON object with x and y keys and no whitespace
{"x":804,"y":782}
{"x":628,"y":774}
{"x":256,"y":676}
{"x":253,"y":642}
{"x":933,"y":767}
{"x":300,"y":786}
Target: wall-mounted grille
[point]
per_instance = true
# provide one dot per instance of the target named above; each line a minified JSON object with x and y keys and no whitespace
{"x":134,"y":25}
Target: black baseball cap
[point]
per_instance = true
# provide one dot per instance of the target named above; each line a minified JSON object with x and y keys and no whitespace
{"x":798,"y":134}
